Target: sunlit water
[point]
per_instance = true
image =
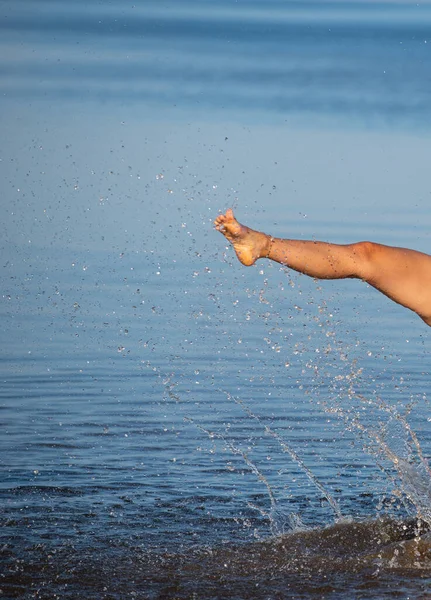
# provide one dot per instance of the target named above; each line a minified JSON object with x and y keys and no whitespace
{"x":175,"y":425}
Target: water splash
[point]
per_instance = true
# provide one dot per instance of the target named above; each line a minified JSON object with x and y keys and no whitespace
{"x":294,"y":455}
{"x":279,"y":521}
{"x":407,"y":458}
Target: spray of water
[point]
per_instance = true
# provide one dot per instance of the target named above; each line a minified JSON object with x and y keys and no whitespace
{"x":294,"y":456}
{"x":414,"y":474}
{"x":279,"y":522}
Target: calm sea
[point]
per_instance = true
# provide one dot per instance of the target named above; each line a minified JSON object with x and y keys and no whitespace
{"x":175,"y":425}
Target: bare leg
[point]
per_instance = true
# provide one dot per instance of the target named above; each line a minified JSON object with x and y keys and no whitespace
{"x":401,"y":274}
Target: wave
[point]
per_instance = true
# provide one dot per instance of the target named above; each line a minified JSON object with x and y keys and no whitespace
{"x":370,"y":557}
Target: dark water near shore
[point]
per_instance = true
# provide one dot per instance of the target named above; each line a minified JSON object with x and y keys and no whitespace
{"x":174,"y":425}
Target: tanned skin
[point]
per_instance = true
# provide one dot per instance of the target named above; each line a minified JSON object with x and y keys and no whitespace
{"x":403,"y":275}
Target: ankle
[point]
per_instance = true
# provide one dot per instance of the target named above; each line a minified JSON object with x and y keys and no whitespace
{"x":266,"y":246}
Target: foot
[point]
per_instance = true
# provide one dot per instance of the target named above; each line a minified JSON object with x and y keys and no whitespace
{"x":248,"y":244}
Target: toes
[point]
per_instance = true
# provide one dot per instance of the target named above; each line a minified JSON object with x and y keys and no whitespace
{"x":221,"y":221}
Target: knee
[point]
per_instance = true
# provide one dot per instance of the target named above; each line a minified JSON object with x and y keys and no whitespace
{"x":365,"y":254}
{"x":426,"y":320}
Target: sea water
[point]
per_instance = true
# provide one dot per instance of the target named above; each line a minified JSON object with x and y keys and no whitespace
{"x":175,"y":425}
